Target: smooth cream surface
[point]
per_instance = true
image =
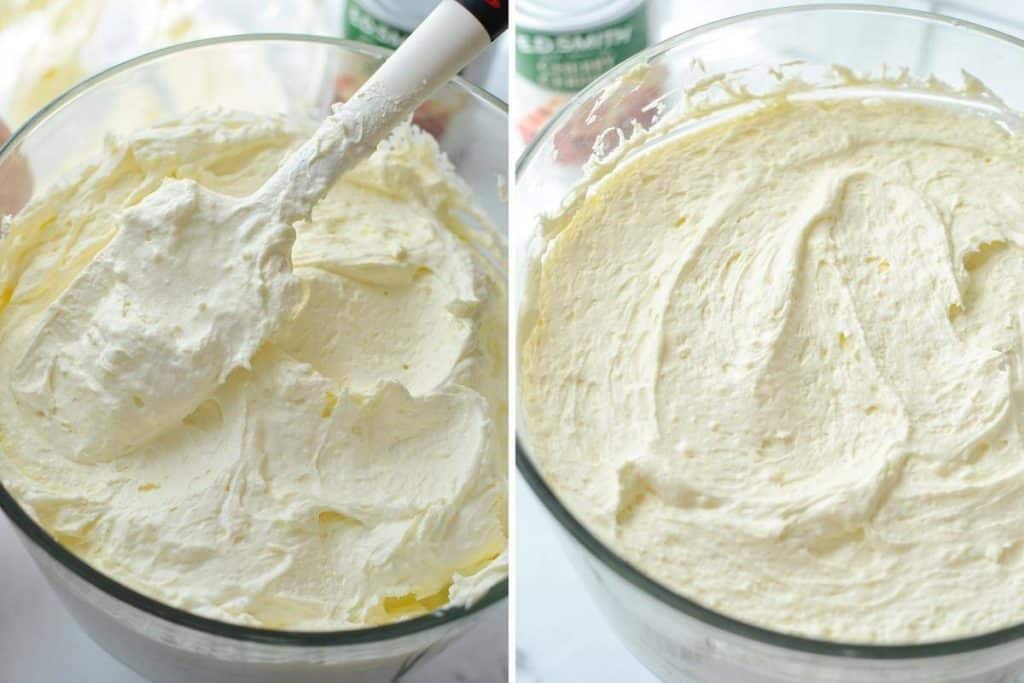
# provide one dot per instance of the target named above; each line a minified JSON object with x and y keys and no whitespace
{"x":349,"y":469}
{"x":778,"y":364}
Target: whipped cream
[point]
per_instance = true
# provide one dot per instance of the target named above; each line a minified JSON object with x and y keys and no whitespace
{"x":138,"y":339}
{"x":777,"y":363}
{"x":187,"y":291}
{"x":335,"y":454}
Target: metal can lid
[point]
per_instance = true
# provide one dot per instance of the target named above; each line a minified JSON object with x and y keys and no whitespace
{"x":403,"y":14}
{"x":564,"y":16}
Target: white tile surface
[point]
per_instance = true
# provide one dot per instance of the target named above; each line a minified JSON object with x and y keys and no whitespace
{"x":560,"y":634}
{"x":39,"y":642}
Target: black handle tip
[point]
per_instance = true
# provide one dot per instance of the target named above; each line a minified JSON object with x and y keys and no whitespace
{"x":492,"y":14}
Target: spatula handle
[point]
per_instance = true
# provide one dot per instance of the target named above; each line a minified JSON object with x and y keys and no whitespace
{"x":447,"y":40}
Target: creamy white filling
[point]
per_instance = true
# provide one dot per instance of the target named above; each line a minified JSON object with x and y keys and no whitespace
{"x":335,"y":454}
{"x":777,"y":364}
{"x":192,"y":284}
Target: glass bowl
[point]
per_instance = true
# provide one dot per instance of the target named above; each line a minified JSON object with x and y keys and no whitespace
{"x":675,"y":637}
{"x":297,"y":76}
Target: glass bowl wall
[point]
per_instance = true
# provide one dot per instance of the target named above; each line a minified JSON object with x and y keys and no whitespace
{"x":297,"y":77}
{"x":675,"y":637}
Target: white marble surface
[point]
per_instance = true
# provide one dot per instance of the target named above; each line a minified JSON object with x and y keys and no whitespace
{"x":560,"y":634}
{"x":40,"y":643}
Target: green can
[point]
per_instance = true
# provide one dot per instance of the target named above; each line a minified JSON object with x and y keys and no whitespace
{"x":385,"y":23}
{"x":563,"y":45}
{"x":566,"y":45}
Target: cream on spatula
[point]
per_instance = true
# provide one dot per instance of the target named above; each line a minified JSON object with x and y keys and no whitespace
{"x":194,"y":282}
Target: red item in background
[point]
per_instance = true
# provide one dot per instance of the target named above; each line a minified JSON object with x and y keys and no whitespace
{"x":574,"y":142}
{"x":15,"y":179}
{"x":531,"y":124}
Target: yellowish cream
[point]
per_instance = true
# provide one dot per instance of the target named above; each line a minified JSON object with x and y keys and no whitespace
{"x":778,"y":365}
{"x":350,"y":470}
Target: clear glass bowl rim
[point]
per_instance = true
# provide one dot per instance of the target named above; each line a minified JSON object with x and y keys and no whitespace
{"x":41,"y":538}
{"x":603,"y":552}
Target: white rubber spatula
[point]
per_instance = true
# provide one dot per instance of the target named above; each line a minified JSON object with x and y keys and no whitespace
{"x":194,"y":282}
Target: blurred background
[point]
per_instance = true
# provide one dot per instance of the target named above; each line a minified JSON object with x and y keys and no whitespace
{"x":56,"y":43}
{"x":560,"y":47}
{"x":560,"y":633}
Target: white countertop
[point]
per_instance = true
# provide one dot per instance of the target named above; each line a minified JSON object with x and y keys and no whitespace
{"x":40,"y":643}
{"x":561,"y":636}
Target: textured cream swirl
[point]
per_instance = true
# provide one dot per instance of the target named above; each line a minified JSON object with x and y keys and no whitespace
{"x":777,"y":363}
{"x":353,"y":471}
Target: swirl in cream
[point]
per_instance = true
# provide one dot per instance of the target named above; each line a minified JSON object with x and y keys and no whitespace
{"x":777,"y":363}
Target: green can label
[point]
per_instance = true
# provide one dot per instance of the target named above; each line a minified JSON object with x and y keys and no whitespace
{"x":366,"y":28}
{"x":569,"y":61}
